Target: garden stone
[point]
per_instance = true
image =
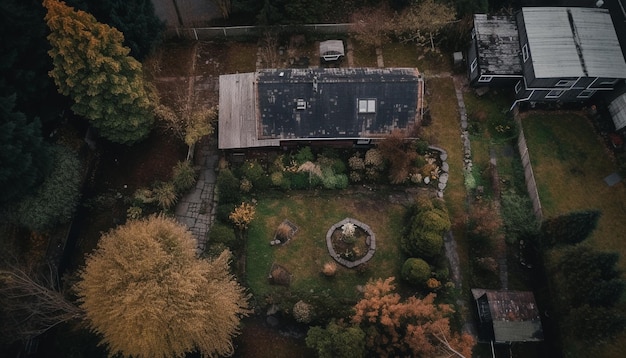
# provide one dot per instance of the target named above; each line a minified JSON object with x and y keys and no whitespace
{"x":443,"y":178}
{"x":426,"y":180}
{"x":443,"y":156}
{"x":441,"y":186}
{"x":445,"y":167}
{"x":439,"y":194}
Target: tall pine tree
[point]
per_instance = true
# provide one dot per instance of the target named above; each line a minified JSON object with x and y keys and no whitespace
{"x":92,"y":67}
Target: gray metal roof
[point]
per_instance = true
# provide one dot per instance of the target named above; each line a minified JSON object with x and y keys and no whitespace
{"x":262,"y":108}
{"x":573,"y":42}
{"x":498,"y":45}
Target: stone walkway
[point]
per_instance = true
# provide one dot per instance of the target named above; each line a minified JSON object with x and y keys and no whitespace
{"x":197,"y":209}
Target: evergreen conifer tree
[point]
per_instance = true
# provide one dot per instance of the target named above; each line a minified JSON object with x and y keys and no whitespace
{"x":92,"y":67}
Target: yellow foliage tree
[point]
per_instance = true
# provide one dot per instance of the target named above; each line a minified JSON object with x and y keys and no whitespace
{"x":148,"y":295}
{"x":243,"y":215}
{"x":414,"y":327}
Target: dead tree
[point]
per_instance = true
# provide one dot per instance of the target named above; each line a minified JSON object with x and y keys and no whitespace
{"x":31,"y":304}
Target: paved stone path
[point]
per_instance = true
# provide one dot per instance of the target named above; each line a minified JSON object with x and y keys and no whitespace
{"x":197,"y":208}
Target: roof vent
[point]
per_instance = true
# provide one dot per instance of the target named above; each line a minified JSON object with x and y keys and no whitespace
{"x":301,"y":104}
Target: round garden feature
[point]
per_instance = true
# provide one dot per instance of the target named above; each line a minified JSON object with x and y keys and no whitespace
{"x":350,"y":242}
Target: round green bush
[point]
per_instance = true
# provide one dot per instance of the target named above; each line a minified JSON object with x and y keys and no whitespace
{"x":415,"y":271}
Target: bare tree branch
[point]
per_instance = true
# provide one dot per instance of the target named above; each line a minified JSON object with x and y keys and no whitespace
{"x":31,"y":304}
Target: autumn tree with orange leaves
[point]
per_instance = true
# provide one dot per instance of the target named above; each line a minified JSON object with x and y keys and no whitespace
{"x":413,"y":327}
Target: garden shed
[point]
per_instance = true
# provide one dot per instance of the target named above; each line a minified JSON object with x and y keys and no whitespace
{"x":507,"y":316}
{"x":332,"y":50}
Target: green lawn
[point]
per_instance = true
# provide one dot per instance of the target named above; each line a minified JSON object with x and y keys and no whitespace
{"x":570,"y":162}
{"x":304,"y":256}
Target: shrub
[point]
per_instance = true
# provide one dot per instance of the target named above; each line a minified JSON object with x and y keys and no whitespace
{"x":252,"y":170}
{"x":374,"y":158}
{"x":165,"y":194}
{"x":304,"y":155}
{"x":329,"y":269}
{"x":338,"y":166}
{"x":222,"y":234}
{"x":356,"y":162}
{"x":432,"y":283}
{"x":355,"y":177}
{"x":302,"y":312}
{"x":223,"y":212}
{"x":420,"y":243}
{"x":242,"y":215}
{"x":183,"y":176}
{"x":276,"y":178}
{"x":285,"y":184}
{"x":143,"y":196}
{"x":416,"y":271}
{"x":421,"y":146}
{"x":134,"y":213}
{"x":341,"y":181}
{"x":245,"y":185}
{"x":228,"y":187}
{"x":55,"y":200}
{"x":300,"y":181}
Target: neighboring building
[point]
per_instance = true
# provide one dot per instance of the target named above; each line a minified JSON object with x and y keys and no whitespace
{"x":283,"y":107}
{"x":507,"y":316}
{"x":494,"y":52}
{"x":566,"y":54}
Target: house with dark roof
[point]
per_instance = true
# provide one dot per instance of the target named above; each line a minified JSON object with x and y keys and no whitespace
{"x":566,"y":54}
{"x":507,"y":316}
{"x":494,"y":51}
{"x":287,"y":107}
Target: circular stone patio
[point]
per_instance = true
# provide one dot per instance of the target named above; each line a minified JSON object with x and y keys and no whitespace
{"x":371,"y":242}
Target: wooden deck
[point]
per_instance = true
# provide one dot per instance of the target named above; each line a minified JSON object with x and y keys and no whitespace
{"x":237,"y":102}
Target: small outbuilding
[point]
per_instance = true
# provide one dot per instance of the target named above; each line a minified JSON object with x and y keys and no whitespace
{"x":507,"y":316}
{"x":332,"y":50}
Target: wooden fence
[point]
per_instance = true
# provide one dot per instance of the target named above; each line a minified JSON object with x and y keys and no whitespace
{"x":529,"y":176}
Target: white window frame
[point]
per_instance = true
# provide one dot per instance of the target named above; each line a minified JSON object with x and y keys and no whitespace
{"x":300,"y":104}
{"x":609,"y":83}
{"x":367,"y":105}
{"x":565,"y":83}
{"x":558,"y":94}
{"x":485,"y":78}
{"x":525,"y":54}
{"x":518,"y":86}
{"x":473,"y":33}
{"x":474,"y":65}
{"x":586,"y":93}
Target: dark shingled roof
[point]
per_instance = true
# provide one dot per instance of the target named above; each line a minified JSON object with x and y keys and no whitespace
{"x":324,"y":103}
{"x":513,"y":315}
{"x":498,"y":45}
